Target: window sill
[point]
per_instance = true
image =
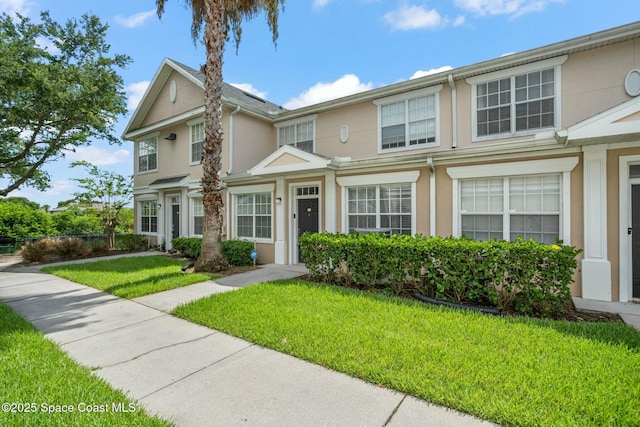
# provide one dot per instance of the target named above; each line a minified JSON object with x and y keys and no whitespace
{"x":409,"y":148}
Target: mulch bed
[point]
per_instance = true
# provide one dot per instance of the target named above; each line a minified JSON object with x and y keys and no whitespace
{"x":569,"y":314}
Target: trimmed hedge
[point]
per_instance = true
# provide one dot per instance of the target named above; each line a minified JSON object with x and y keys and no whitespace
{"x":237,"y":252}
{"x":524,"y":276}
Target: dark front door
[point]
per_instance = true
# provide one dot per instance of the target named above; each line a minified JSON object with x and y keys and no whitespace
{"x":175,"y":221}
{"x":307,"y":219}
{"x":635,"y":239}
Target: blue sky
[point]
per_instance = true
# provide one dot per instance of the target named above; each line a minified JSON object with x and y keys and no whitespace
{"x":326,"y":49}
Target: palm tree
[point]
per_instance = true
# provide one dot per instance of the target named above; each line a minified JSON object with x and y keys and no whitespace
{"x":220,"y":19}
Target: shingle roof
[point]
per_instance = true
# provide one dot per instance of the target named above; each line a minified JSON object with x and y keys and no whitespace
{"x":237,"y":96}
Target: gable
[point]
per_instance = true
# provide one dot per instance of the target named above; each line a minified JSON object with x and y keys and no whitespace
{"x":289,"y":159}
{"x":618,"y":123}
{"x":175,"y":96}
{"x":286,"y":159}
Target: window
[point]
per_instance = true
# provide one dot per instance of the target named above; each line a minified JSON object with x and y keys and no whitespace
{"x":148,"y":217}
{"x":505,"y":208}
{"x":197,"y":216}
{"x":408,"y":123}
{"x":381,"y":206}
{"x":148,"y":155}
{"x":197,"y":140}
{"x":299,"y":135}
{"x":517,"y":101}
{"x":253,"y":216}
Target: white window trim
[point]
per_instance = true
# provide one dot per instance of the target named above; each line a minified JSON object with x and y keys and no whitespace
{"x":433,"y":90}
{"x":312,"y":118}
{"x":191,"y":124}
{"x":510,"y":72}
{"x":137,"y":153}
{"x":410,"y":177}
{"x":192,"y":224}
{"x":562,"y":166}
{"x":252,"y":189}
{"x":140,"y":201}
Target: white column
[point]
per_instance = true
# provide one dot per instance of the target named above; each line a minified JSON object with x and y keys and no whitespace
{"x":596,"y":268}
{"x":281,"y":220}
{"x":330,"y":212}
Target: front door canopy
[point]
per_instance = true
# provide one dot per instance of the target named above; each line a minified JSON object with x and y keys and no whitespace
{"x":290,"y":159}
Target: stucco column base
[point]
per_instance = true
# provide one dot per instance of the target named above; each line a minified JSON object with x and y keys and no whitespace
{"x":596,"y":279}
{"x":281,"y":252}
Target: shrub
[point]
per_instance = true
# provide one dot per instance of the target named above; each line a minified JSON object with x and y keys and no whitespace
{"x":238,"y":252}
{"x":526,"y":276}
{"x":130,"y":242}
{"x":36,"y":250}
{"x":187,"y":246}
{"x":99,"y":247}
{"x":69,"y":248}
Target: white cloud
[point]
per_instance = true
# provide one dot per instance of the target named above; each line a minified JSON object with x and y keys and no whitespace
{"x":248,"y":87}
{"x":318,"y":4}
{"x":504,"y":7}
{"x":413,"y":18}
{"x":421,"y":73}
{"x":136,"y":91}
{"x":98,"y":156}
{"x":61,"y":187}
{"x":135,"y":20}
{"x":11,"y":7}
{"x":460,"y":20}
{"x":320,"y":92}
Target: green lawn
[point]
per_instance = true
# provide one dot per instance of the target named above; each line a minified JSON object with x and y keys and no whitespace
{"x":130,"y":277}
{"x":38,"y":381}
{"x":513,"y":371}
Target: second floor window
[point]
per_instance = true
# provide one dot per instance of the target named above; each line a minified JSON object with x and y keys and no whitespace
{"x":148,"y":155}
{"x":197,"y":140}
{"x":408,"y":123}
{"x":516,"y":101}
{"x":299,"y":135}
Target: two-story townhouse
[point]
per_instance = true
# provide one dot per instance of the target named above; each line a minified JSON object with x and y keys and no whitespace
{"x":167,"y":129}
{"x":543,"y":144}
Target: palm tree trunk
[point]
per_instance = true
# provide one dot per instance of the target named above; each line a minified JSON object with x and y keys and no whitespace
{"x":211,"y":258}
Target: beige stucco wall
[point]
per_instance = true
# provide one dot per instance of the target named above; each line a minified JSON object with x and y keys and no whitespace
{"x":593,"y":81}
{"x":188,"y":97}
{"x":362,"y":122}
{"x":253,"y":140}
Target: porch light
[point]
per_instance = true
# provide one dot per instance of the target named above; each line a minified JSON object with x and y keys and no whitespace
{"x":170,"y":136}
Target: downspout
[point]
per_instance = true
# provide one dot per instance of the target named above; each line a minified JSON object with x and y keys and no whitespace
{"x":233,"y":113}
{"x":432,"y":197}
{"x":454,"y":116}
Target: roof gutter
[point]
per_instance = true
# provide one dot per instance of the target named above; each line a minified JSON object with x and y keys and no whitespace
{"x":454,"y":116}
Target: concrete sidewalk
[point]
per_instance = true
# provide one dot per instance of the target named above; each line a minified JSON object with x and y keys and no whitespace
{"x":195,"y":376}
